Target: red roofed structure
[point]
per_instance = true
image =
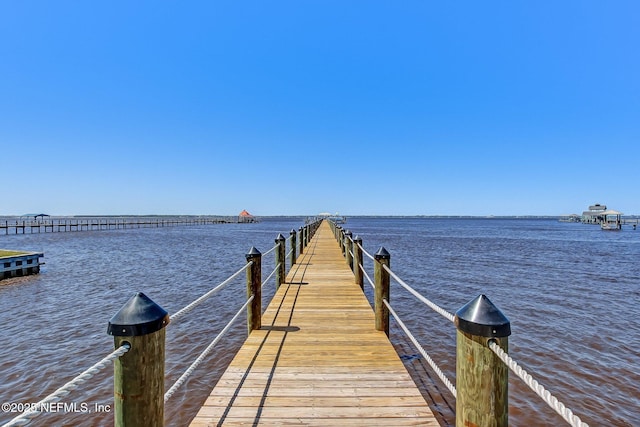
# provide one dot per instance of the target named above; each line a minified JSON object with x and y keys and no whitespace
{"x":245,"y":216}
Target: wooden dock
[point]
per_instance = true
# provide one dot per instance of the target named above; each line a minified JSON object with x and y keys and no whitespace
{"x":317,"y":359}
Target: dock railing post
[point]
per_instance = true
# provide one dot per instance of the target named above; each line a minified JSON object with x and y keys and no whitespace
{"x":481,"y":377}
{"x":357,"y":261}
{"x":254,"y":281}
{"x":301,"y":235}
{"x":292,"y":233}
{"x":281,"y":262}
{"x":382,"y":281}
{"x":138,"y":385}
{"x":348,"y":245}
{"x":306,"y":235}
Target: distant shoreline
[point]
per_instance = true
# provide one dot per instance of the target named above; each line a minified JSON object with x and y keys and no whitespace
{"x":20,"y":217}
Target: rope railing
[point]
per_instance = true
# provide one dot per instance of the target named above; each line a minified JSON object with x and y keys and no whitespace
{"x":210,"y":347}
{"x":367,"y":254}
{"x":270,"y":275}
{"x":201,"y":299}
{"x":205,"y":353}
{"x":244,"y":307}
{"x":441,"y":311}
{"x":421,"y":349}
{"x":364,"y":272}
{"x":553,"y":402}
{"x":497,"y":334}
{"x":270,"y":250}
{"x":43,"y":405}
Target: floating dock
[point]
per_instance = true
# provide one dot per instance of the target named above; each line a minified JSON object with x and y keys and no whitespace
{"x":318,"y":359}
{"x":15,"y":263}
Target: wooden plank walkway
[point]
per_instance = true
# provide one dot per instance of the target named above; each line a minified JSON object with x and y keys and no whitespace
{"x":317,"y":360}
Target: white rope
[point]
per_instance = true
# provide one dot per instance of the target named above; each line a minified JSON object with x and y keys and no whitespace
{"x":36,"y":409}
{"x":204,"y":354}
{"x":538,"y":388}
{"x":270,"y":275}
{"x":441,"y":311}
{"x":199,"y":301}
{"x":271,"y":250}
{"x":422,"y":351}
{"x":367,"y":276}
{"x":290,"y":252}
{"x":365,"y":252}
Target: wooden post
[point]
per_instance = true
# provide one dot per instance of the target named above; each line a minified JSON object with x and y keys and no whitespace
{"x":357,"y":261}
{"x":292,"y":233}
{"x":138,"y":387}
{"x":348,"y":247}
{"x":281,"y":261}
{"x":481,"y":378}
{"x":382,"y":281}
{"x":254,"y":287}
{"x":301,"y":240}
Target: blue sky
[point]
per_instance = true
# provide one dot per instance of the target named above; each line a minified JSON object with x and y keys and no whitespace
{"x":300,"y":107}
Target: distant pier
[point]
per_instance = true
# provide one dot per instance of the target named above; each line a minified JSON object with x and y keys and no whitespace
{"x":106,"y":223}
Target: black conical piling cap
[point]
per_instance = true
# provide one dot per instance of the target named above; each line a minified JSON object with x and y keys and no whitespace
{"x":357,"y":239}
{"x":382,"y":254}
{"x":348,"y":233}
{"x":253,"y":252}
{"x":280,"y":238}
{"x":139,"y":316}
{"x":293,"y":231}
{"x":480,"y":317}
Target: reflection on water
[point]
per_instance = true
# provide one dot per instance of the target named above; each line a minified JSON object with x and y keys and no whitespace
{"x":570,"y":291}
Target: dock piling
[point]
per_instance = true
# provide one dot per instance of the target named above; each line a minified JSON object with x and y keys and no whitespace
{"x":382,"y":281}
{"x":139,"y":374}
{"x":481,"y":377}
{"x":306,"y":235}
{"x":254,"y":282}
{"x":357,"y":262}
{"x":292,"y":233}
{"x":348,"y":248}
{"x":281,"y":262}
{"x":301,"y":234}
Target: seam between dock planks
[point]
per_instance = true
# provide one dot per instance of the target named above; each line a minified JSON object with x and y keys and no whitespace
{"x":317,"y":360}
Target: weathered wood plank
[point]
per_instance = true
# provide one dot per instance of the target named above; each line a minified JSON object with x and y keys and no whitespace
{"x":324,"y":422}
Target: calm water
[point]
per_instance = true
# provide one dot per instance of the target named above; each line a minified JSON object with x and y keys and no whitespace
{"x":571,"y":292}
